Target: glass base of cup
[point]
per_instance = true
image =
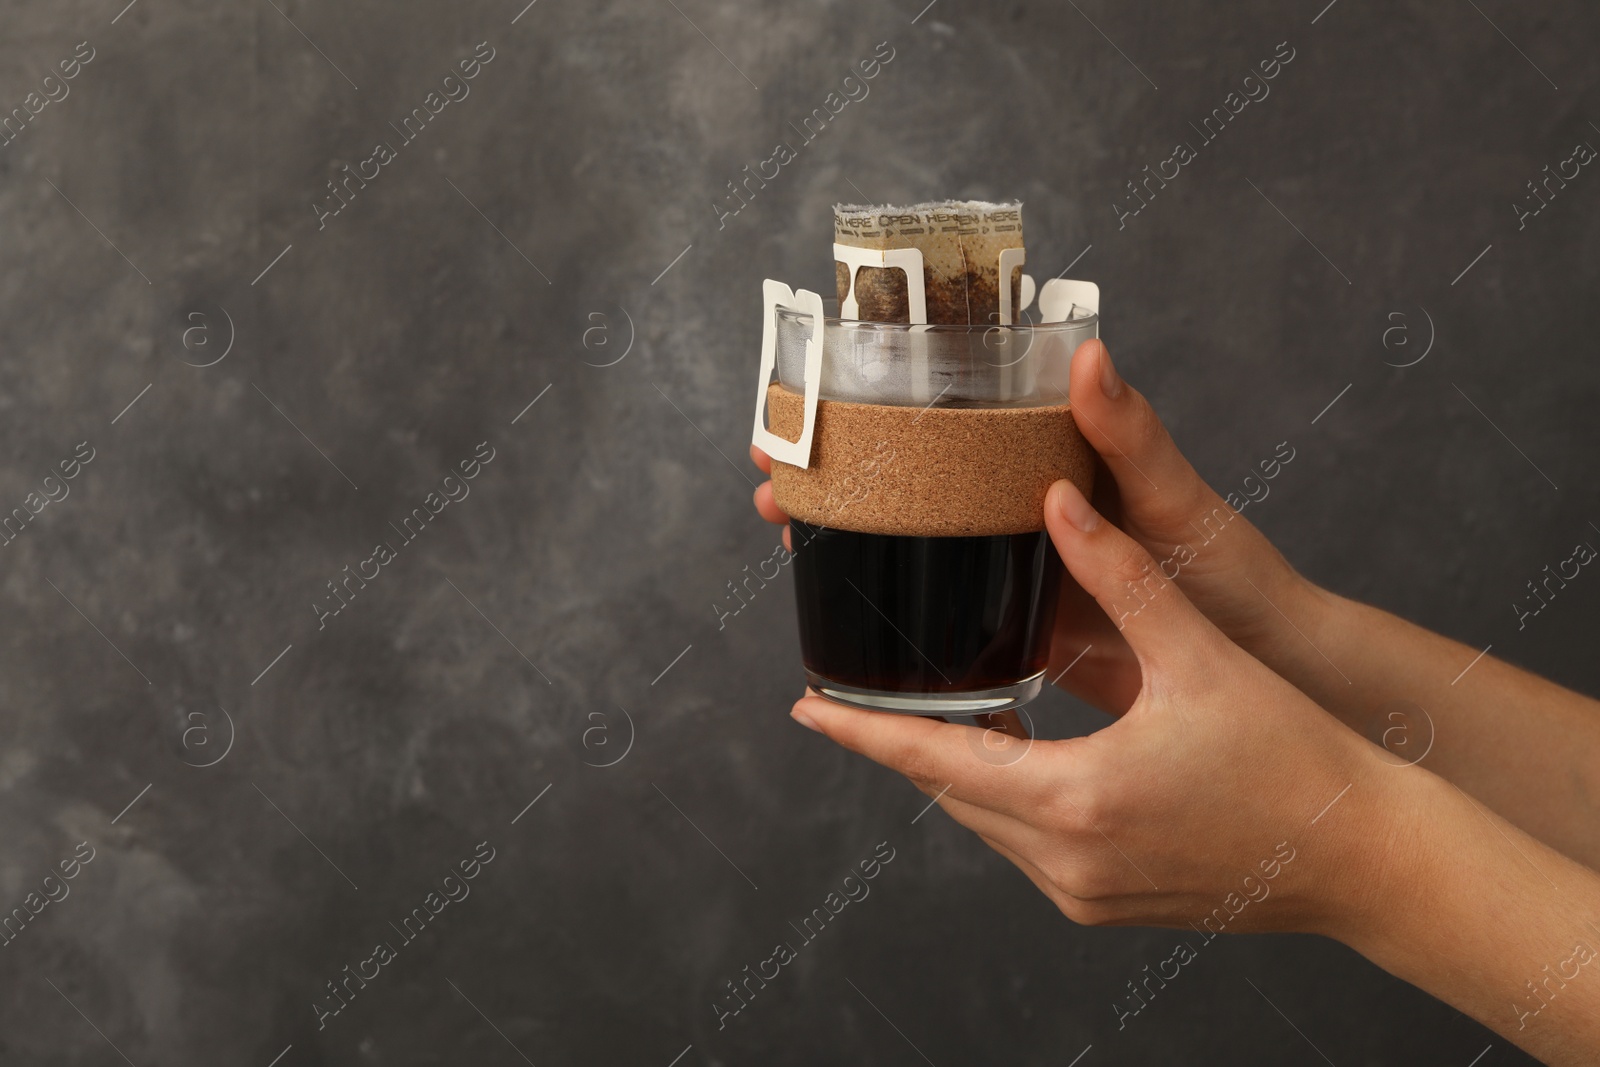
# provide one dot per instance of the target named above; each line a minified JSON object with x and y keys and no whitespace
{"x":969,"y":702}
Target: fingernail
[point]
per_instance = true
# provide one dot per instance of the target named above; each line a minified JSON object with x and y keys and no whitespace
{"x":1073,"y":507}
{"x":804,"y":720}
{"x":1110,"y":383}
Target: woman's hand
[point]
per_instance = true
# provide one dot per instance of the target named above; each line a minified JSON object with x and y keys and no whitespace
{"x":1224,"y":800}
{"x":1215,"y":800}
{"x":1144,"y":485}
{"x":1524,"y":746}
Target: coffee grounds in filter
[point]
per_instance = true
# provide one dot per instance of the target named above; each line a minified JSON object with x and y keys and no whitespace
{"x":960,"y":242}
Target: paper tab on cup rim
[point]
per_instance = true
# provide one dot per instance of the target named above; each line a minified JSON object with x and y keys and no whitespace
{"x":775,"y":294}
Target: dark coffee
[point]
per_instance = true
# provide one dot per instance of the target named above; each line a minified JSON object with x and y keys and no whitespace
{"x":924,"y":614}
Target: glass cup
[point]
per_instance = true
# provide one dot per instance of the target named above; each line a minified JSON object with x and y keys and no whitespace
{"x":926,"y":625}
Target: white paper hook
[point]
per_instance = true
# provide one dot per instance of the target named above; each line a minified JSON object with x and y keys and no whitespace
{"x":1060,"y":295}
{"x":1010,"y":260}
{"x":908,"y":260}
{"x":774,"y":295}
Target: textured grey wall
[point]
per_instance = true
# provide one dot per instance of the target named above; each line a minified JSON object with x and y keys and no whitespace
{"x":167,"y":604}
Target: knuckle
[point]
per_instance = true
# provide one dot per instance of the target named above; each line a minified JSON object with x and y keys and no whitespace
{"x":916,"y":763}
{"x":1149,"y":432}
{"x":1085,"y":912}
{"x":1197,"y":504}
{"x":1073,"y":909}
{"x":1075,"y":809}
{"x":1107,"y":912}
{"x":1067,"y":876}
{"x":1073,"y":818}
{"x":1132,"y":565}
{"x":1092,"y":882}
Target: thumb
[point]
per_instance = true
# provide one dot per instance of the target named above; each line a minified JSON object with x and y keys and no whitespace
{"x":1157,"y":620}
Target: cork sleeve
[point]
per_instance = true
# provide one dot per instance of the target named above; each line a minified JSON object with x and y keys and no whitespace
{"x":926,"y":472}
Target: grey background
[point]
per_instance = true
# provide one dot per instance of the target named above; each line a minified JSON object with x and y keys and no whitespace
{"x":426,"y":717}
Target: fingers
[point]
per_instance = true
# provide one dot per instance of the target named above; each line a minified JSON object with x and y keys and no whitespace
{"x":1156,"y":482}
{"x":937,"y":755}
{"x":767,"y":507}
{"x":1155,"y":618}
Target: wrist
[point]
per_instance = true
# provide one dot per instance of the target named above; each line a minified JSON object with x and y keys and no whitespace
{"x":1295,"y":618}
{"x":1304,"y":634}
{"x":1383,"y":877}
{"x":1445,"y":895}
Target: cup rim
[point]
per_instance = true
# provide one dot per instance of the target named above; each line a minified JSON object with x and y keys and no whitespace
{"x":1086,"y":318}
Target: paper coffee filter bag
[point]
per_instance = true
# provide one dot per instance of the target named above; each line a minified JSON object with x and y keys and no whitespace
{"x":960,"y":242}
{"x":923,"y":433}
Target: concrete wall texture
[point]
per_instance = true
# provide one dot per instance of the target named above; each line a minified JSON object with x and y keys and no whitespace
{"x":257,"y":379}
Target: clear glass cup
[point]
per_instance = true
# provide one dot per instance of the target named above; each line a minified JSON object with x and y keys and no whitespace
{"x":928,"y":625}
